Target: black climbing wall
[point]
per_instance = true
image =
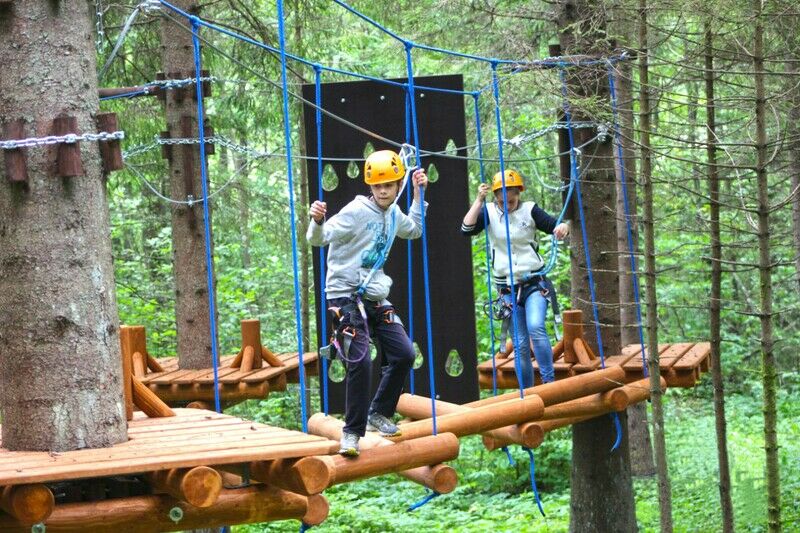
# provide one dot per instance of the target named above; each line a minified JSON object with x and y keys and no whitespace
{"x":380,"y":108}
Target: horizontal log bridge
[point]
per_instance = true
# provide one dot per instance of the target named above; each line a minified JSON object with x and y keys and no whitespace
{"x":145,"y":514}
{"x":199,"y":486}
{"x":28,"y":504}
{"x":234,"y":392}
{"x":440,"y":478}
{"x":476,"y":420}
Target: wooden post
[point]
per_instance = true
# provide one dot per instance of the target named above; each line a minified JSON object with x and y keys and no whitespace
{"x":69,"y":154}
{"x":573,"y":329}
{"x":110,"y":151}
{"x":251,"y":336}
{"x":28,"y":504}
{"x":145,"y":514}
{"x":440,"y":478}
{"x":148,"y":402}
{"x":139,"y":364}
{"x":15,"y":160}
{"x":199,"y":486}
{"x":125,"y":342}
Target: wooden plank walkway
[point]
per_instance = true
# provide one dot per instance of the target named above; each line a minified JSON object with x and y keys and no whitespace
{"x":193,"y":438}
{"x":176,"y":386}
{"x":681,"y":365}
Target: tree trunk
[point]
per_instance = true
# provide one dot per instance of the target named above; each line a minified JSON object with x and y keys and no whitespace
{"x":595,"y":470}
{"x":664,"y":493}
{"x":794,"y":164}
{"x":716,"y":290}
{"x":638,"y":429}
{"x":768,"y":363}
{"x":192,"y":314}
{"x":60,"y":364}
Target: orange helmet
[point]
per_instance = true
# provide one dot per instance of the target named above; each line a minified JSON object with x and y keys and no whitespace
{"x":383,"y":166}
{"x":513,"y":179}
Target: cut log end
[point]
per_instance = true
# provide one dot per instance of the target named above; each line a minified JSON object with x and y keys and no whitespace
{"x":29,"y":504}
{"x":317,"y":510}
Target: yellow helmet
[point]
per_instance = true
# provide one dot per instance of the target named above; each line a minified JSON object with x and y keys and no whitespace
{"x":513,"y":179}
{"x":383,"y":166}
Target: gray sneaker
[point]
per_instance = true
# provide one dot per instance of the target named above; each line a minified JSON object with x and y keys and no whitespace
{"x":381,"y":424}
{"x":349,"y":444}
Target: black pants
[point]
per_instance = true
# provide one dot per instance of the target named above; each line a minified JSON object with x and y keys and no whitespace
{"x":399,"y":354}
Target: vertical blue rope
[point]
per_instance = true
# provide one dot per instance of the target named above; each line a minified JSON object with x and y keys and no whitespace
{"x":508,"y":455}
{"x":212,"y":311}
{"x":631,"y":251}
{"x":410,"y":269}
{"x":496,"y":92}
{"x":476,"y":96}
{"x":576,"y":178}
{"x":320,"y":193}
{"x":288,"y":140}
{"x":429,"y":332}
{"x":433,"y":494}
{"x":533,"y":480}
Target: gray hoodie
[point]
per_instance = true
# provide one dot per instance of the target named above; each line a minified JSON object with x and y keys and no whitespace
{"x":357,"y":235}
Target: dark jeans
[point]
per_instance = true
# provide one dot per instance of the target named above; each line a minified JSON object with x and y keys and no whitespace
{"x":399,"y":355}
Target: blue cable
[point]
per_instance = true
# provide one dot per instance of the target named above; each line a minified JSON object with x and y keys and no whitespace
{"x":206,"y":218}
{"x":433,"y":494}
{"x":508,"y":455}
{"x":576,"y":178}
{"x":618,"y":427}
{"x":533,"y":480}
{"x":304,"y":527}
{"x":429,"y":329}
{"x":290,"y":171}
{"x":410,"y":269}
{"x":321,"y":193}
{"x":517,"y":362}
{"x":476,"y":97}
{"x":631,"y":251}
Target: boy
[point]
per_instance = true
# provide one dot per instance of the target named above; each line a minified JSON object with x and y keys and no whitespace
{"x":360,"y":237}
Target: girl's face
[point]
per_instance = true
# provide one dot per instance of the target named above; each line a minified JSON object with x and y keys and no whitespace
{"x":385,"y":193}
{"x":512,"y":193}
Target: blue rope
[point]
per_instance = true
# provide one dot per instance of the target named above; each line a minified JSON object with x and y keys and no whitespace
{"x":618,"y":427}
{"x":631,"y":251}
{"x":533,"y":480}
{"x":433,"y":494}
{"x":321,"y":193}
{"x":508,"y":455}
{"x":479,"y":133}
{"x":206,"y":218}
{"x":410,"y":269}
{"x":304,"y":527}
{"x":517,"y":361}
{"x":125,"y":95}
{"x":290,"y":171}
{"x":576,"y":178}
{"x":425,"y":276}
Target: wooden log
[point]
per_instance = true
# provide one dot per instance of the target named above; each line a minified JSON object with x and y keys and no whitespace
{"x":139,"y":364}
{"x":153,"y":365}
{"x":248,"y":356}
{"x":583,"y":352}
{"x":270,"y":357}
{"x":477,"y":420}
{"x":127,"y":369}
{"x":558,"y":349}
{"x":148,"y":402}
{"x":199,"y":486}
{"x":251,"y":336}
{"x":28,"y":504}
{"x":603,"y":402}
{"x":419,"y":407}
{"x":200,"y":405}
{"x":440,"y":478}
{"x":145,"y":514}
{"x":16,"y":159}
{"x":573,"y":329}
{"x":237,"y":361}
{"x":110,"y":151}
{"x":229,"y":393}
{"x":68,"y":154}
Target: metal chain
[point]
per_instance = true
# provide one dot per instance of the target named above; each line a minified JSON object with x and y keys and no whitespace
{"x":520,"y":139}
{"x":173,"y":84}
{"x":69,"y":138}
{"x":100,"y":33}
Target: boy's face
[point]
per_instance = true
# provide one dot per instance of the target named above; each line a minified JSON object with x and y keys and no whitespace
{"x":385,"y":193}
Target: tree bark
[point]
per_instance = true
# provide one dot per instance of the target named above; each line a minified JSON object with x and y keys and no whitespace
{"x":60,"y":364}
{"x":715,"y":309}
{"x":793,"y":131}
{"x":768,"y":363}
{"x":595,"y":470}
{"x":664,"y":491}
{"x":192,"y":314}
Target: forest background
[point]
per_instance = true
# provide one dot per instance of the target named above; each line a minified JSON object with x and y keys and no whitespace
{"x":251,"y":223}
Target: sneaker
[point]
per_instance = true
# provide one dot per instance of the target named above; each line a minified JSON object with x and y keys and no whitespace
{"x":349,"y":444}
{"x":381,"y":424}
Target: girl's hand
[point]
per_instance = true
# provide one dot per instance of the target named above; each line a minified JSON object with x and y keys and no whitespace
{"x":420,"y":182}
{"x":317,"y":211}
{"x":483,"y":191}
{"x":561,"y":231}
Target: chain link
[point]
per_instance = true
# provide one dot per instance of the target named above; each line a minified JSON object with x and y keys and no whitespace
{"x":69,"y":138}
{"x":173,"y":84}
{"x":98,"y":4}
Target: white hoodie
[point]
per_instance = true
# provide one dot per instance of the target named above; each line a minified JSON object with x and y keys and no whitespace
{"x":357,"y":235}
